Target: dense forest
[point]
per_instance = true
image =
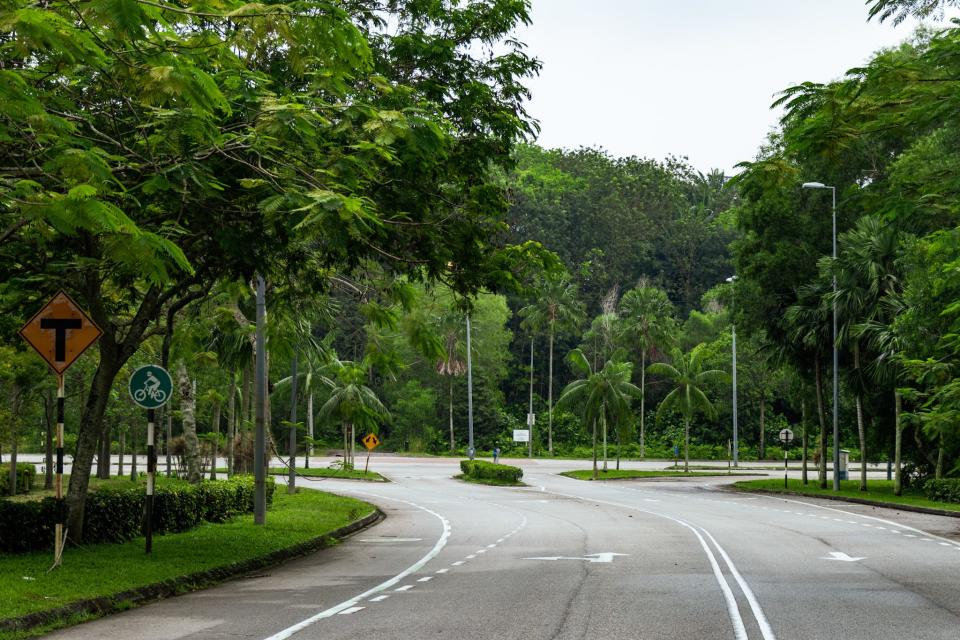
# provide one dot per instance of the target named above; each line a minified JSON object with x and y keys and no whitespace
{"x":155,"y":162}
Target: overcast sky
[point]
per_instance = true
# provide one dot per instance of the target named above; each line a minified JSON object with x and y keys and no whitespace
{"x":690,"y":78}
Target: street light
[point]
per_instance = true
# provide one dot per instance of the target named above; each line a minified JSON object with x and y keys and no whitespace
{"x":836,"y":381}
{"x":733,"y":330}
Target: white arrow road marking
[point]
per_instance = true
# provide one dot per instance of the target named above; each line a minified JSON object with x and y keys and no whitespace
{"x":604,"y":557}
{"x":842,"y":557}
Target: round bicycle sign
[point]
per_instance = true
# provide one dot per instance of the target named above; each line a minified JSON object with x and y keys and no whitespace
{"x":151,"y":386}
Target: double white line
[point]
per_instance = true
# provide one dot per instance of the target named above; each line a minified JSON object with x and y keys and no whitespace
{"x":733,"y":610}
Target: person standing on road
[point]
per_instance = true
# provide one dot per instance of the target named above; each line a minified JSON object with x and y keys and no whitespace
{"x":496,"y":455}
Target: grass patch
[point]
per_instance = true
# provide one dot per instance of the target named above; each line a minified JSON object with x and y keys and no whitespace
{"x":878,"y":491}
{"x":626,"y":474}
{"x":490,"y":481}
{"x":108,"y":569}
{"x":326,"y":472}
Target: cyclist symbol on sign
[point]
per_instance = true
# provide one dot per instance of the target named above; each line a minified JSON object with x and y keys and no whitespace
{"x":151,"y":389}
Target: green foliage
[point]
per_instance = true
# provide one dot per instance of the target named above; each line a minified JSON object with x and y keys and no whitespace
{"x":25,"y":478}
{"x":483,"y":470}
{"x":116,"y":514}
{"x":944,"y":490}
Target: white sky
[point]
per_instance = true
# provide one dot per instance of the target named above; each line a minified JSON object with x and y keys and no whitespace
{"x":690,"y":78}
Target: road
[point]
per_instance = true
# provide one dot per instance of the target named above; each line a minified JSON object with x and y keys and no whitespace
{"x":568,"y":559}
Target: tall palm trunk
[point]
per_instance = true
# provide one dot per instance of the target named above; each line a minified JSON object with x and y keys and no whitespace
{"x":763,"y":428}
{"x":643,"y":399}
{"x":306,"y":459}
{"x":450,"y":407}
{"x":686,"y":444}
{"x":231,"y":422}
{"x":861,"y":431}
{"x":188,"y":413}
{"x":806,"y":440}
{"x":595,"y":474}
{"x":346,"y":453}
{"x":603,"y":420}
{"x":898,"y":442}
{"x":215,"y":441}
{"x":822,"y":470}
{"x":550,"y":397}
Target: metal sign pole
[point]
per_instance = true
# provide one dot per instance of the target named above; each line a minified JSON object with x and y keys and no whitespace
{"x":151,"y":478}
{"x":58,"y":541}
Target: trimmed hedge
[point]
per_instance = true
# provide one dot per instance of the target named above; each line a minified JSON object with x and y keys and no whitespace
{"x":116,"y":515}
{"x":25,"y":474}
{"x":944,"y":490}
{"x":484,"y":470}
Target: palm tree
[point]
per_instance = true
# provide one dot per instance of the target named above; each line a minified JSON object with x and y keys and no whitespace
{"x":604,"y":396}
{"x":557,"y":310}
{"x":688,"y":396}
{"x":450,"y":325}
{"x":648,"y":325}
{"x":353,"y":404}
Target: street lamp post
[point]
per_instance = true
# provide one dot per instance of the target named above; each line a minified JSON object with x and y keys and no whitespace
{"x":836,"y":380}
{"x":470,"y":450}
{"x":733,"y":331}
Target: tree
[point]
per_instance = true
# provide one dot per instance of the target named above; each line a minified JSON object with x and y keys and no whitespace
{"x":555,"y":309}
{"x":603,"y":396}
{"x":687,"y":397}
{"x":353,"y":404}
{"x":648,"y":326}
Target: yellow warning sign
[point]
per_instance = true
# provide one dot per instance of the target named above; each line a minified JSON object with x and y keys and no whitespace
{"x":371,"y":441}
{"x":60,"y":332}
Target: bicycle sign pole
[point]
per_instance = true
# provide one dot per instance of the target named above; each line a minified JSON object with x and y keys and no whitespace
{"x":150,"y":387}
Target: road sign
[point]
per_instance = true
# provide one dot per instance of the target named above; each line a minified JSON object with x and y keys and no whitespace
{"x":786,"y":436}
{"x":531,"y":419}
{"x":150,"y":386}
{"x":521,"y":435}
{"x":371,"y":441}
{"x":60,"y":332}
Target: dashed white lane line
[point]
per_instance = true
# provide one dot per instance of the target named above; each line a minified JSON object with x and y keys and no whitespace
{"x":457,"y":563}
{"x":471,"y":556}
{"x":500,"y":540}
{"x":425,"y":579}
{"x":347,"y":612}
{"x":379,"y":599}
{"x":479,"y":551}
{"x":405,"y":587}
{"x":491,"y":546}
{"x":441,"y":570}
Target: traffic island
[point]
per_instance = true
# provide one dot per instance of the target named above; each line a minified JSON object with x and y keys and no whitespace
{"x":879,"y":494}
{"x":100,"y":579}
{"x":633,"y":474}
{"x":483,"y":472}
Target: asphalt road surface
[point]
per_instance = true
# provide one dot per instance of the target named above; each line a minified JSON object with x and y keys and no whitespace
{"x":568,"y":559}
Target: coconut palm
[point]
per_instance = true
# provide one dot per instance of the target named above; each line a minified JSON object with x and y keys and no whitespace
{"x":688,"y":396}
{"x":555,"y":310}
{"x":603,"y":396}
{"x":647,"y":325}
{"x":450,"y":324}
{"x":353,"y":404}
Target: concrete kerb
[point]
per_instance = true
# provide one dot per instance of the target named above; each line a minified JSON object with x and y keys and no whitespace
{"x":104,"y":605}
{"x":870,"y":503}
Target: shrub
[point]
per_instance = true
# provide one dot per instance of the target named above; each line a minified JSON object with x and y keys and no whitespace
{"x":25,"y":474}
{"x":944,"y":490}
{"x":483,"y":470}
{"x":117,"y":514}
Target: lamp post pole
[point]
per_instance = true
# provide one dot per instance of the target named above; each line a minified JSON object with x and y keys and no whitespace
{"x":733,"y":331}
{"x":836,"y":367}
{"x":470,"y":450}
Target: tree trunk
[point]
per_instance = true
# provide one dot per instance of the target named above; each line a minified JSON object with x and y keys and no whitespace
{"x":806,"y":440}
{"x":898,"y":441}
{"x":818,"y":383}
{"x":309,"y":451}
{"x":938,"y":474}
{"x":231,"y":422}
{"x":215,"y":441}
{"x":346,"y":453}
{"x":48,"y":442}
{"x":550,"y":397}
{"x":450,"y":406}
{"x":353,"y":446}
{"x":763,"y":428}
{"x":863,"y":444}
{"x":686,"y":444}
{"x":168,"y":436}
{"x":595,"y":474}
{"x":292,"y":444}
{"x":604,"y":423}
{"x":133,"y":452}
{"x":103,"y":461}
{"x":188,"y":416}
{"x":121,"y":443}
{"x":643,"y":400}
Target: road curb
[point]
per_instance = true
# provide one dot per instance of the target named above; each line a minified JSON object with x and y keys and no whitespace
{"x":863,"y":501}
{"x":122,"y":601}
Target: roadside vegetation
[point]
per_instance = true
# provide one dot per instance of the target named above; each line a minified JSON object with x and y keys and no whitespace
{"x":482,"y":472}
{"x":881,"y":491}
{"x":626,"y":474}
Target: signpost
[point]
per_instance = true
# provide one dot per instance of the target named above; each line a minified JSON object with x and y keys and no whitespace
{"x":150,"y":387}
{"x":521,"y":435}
{"x":371,"y":442}
{"x":786,"y":438}
{"x":60,"y":332}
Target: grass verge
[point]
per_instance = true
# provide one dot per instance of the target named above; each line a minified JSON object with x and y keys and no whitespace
{"x":489,"y":481}
{"x":111,"y":571}
{"x":880,"y":493}
{"x":626,"y":474}
{"x":326,"y":472}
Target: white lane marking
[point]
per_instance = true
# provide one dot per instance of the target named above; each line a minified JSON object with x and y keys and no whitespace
{"x":491,"y":546}
{"x":379,"y":599}
{"x":500,"y":540}
{"x":471,"y":556}
{"x":441,"y":570}
{"x":739,"y":631}
{"x":874,"y":518}
{"x":425,"y":579}
{"x":405,"y":587}
{"x":842,"y":557}
{"x":944,"y":544}
{"x":457,"y":563}
{"x":762,"y":622}
{"x":481,"y":551}
{"x":347,"y":612}
{"x":909,"y":535}
{"x":430,"y":555}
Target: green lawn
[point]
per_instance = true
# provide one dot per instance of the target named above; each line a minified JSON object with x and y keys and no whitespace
{"x":326,"y":472}
{"x":879,"y":491}
{"x":489,"y":481}
{"x":624,"y":474}
{"x":105,"y":569}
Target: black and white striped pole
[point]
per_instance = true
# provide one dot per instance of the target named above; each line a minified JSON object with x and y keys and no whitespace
{"x":58,"y":481}
{"x":151,"y":479}
{"x":150,"y":388}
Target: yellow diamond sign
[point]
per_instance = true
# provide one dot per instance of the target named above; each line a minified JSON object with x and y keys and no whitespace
{"x":60,"y":332}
